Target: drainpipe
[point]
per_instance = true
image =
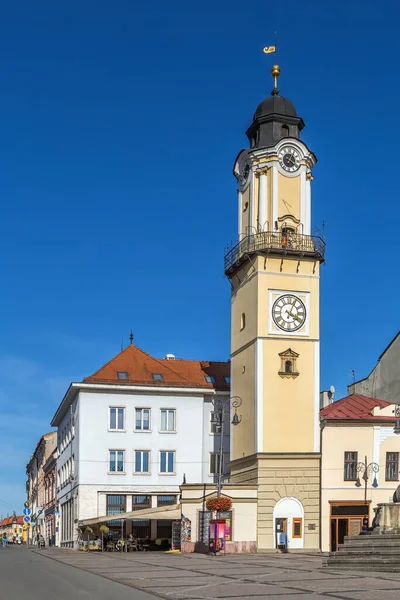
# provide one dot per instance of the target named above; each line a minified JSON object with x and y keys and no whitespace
{"x":322,"y":425}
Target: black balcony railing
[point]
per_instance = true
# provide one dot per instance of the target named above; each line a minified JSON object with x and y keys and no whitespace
{"x":275,"y":242}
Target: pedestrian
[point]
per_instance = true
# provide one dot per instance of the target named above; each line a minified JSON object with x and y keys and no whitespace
{"x":4,"y":540}
{"x":364,"y":530}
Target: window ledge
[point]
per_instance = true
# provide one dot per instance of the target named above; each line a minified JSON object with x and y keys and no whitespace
{"x":116,"y":473}
{"x":117,"y":430}
{"x":141,"y":473}
{"x":167,"y":473}
{"x":288,"y":375}
{"x":166,"y":431}
{"x":142,"y":431}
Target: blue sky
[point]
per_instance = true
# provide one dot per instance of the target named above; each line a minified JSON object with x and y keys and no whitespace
{"x":119,"y":125}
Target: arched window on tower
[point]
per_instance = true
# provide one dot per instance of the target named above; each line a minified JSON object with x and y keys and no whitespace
{"x":288,"y":366}
{"x":285,"y":131}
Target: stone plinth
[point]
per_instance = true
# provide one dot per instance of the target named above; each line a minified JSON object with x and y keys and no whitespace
{"x":387,"y":518}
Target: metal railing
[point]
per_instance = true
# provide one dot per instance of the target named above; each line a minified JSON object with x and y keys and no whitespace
{"x":275,"y":242}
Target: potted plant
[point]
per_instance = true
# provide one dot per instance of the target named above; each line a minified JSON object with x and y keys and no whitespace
{"x":104,"y":530}
{"x":219,"y":504}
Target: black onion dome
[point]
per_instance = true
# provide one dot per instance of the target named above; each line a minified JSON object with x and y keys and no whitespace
{"x":275,"y":105}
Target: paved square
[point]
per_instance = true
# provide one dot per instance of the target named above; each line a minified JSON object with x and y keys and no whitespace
{"x":246,"y":576}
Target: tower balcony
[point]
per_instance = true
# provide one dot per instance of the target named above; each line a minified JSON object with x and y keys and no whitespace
{"x":274,"y":243}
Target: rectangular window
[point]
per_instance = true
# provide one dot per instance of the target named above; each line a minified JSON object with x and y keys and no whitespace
{"x":297,"y":527}
{"x":167,"y":419}
{"x":157,"y":377}
{"x":115,"y":506}
{"x":227,"y":379}
{"x":350,"y":466}
{"x":117,"y":418}
{"x":167,"y":461}
{"x":214,"y":463}
{"x":116,"y":461}
{"x":142,"y":419}
{"x":122,"y":375}
{"x":166,"y":500}
{"x":215,"y":422}
{"x":142,"y":461}
{"x":141,"y":502}
{"x":209,"y":378}
{"x":392,"y":466}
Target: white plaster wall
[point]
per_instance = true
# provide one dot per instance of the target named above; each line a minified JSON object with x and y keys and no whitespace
{"x":211,"y":443}
{"x":95,"y":439}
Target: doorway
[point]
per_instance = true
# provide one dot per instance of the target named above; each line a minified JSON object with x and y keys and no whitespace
{"x":346,"y":519}
{"x":289,"y":517}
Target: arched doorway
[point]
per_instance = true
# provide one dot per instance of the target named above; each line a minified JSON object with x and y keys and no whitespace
{"x":289,"y":518}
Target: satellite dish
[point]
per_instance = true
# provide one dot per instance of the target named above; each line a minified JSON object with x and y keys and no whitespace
{"x":332,"y":389}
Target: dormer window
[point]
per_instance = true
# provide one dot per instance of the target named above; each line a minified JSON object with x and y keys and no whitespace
{"x":157,"y":376}
{"x":122,"y":375}
{"x":209,"y":379}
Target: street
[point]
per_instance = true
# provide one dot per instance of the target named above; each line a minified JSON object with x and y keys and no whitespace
{"x":26,"y":575}
{"x":59,"y":574}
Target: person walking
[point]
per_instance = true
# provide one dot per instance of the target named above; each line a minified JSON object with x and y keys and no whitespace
{"x":4,"y":540}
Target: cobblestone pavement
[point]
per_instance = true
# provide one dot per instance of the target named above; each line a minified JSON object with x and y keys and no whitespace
{"x":244,"y":577}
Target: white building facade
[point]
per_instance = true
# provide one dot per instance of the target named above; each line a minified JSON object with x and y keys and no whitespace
{"x":125,"y":446}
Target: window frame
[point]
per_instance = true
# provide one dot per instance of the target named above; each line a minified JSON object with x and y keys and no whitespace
{"x":116,"y":472}
{"x":346,"y":462}
{"x":167,"y":430}
{"x":217,"y":461}
{"x":299,"y":521}
{"x":173,"y":452}
{"x":123,"y":408}
{"x":392,"y":462}
{"x":142,"y":408}
{"x":134,"y":462}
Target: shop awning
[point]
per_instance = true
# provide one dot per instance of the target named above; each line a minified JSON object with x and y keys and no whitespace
{"x":163,"y":512}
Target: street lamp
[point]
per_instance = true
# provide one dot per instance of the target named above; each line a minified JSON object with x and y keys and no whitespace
{"x":396,"y":428}
{"x":222,"y":406}
{"x":368,"y":470}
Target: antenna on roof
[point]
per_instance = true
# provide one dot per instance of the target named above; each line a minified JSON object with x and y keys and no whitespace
{"x":353,"y":375}
{"x":131,"y":336}
{"x":122,"y":343}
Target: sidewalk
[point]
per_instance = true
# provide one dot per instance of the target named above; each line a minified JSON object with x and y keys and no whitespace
{"x":231,"y":577}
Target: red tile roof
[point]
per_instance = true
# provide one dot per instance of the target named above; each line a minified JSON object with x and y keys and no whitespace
{"x":355,"y":407}
{"x":11,"y":520}
{"x":140,"y":367}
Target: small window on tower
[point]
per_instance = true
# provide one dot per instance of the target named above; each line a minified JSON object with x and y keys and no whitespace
{"x":285,"y":131}
{"x":242,"y":321}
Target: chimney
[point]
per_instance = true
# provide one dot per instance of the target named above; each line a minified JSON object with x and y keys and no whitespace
{"x":170,"y":357}
{"x":325,"y":398}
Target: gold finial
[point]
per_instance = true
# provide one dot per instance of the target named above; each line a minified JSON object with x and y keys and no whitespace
{"x":275,"y":72}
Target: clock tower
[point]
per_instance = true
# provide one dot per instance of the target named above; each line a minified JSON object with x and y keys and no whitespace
{"x":274,"y":274}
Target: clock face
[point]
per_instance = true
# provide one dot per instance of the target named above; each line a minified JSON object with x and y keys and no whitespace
{"x":289,"y":158}
{"x":289,"y":313}
{"x":245,"y":173}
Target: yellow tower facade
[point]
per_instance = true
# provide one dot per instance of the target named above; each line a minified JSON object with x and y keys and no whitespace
{"x":274,"y":274}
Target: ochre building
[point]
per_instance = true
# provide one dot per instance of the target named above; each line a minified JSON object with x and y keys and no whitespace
{"x":274,"y":272}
